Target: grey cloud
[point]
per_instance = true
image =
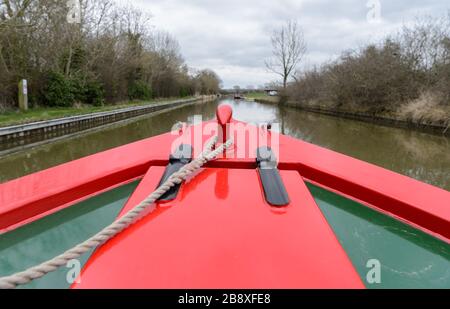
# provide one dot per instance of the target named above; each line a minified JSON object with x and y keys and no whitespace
{"x":232,"y":37}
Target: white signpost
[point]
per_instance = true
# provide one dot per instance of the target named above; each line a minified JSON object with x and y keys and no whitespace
{"x":23,"y":95}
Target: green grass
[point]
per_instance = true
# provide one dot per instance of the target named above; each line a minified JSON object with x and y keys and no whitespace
{"x":261,"y":96}
{"x":257,"y":95}
{"x":15,"y":117}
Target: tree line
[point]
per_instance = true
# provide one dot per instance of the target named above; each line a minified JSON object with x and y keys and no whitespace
{"x":407,"y":73}
{"x":104,"y":53}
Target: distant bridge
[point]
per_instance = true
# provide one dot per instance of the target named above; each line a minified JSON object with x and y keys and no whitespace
{"x":244,"y":91}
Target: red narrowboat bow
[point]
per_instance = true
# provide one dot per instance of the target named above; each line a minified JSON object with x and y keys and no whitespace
{"x":249,"y":219}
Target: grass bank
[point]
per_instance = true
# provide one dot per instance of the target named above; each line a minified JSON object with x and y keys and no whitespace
{"x":261,"y":97}
{"x":424,"y":113}
{"x":16,"y":117}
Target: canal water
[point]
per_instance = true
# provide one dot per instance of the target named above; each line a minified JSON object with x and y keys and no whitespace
{"x":422,"y":156}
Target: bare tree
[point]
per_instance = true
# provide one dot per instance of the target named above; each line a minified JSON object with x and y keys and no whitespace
{"x":288,"y":49}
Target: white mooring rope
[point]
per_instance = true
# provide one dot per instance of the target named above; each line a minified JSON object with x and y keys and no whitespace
{"x":144,"y":208}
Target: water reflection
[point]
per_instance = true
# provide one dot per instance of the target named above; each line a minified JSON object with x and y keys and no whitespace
{"x":419,"y":155}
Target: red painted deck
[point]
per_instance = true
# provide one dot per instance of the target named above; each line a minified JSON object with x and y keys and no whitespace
{"x":220,"y":233}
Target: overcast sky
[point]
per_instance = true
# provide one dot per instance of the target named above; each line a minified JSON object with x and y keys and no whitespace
{"x":232,"y":37}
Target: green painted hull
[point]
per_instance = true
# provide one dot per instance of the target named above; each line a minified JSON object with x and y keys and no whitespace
{"x":44,"y":239}
{"x":409,"y":258}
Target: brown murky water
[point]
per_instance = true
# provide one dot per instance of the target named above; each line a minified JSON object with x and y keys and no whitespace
{"x":419,"y":155}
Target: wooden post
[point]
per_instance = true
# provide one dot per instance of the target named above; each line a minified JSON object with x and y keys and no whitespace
{"x":23,"y":95}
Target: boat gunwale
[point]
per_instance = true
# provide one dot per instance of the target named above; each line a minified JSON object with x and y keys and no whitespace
{"x":117,"y":167}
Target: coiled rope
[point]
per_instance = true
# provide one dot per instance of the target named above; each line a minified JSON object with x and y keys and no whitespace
{"x":144,"y":208}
